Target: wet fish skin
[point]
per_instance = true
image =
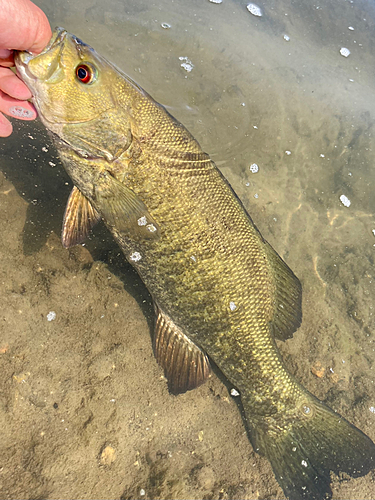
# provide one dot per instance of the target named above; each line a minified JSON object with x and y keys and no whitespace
{"x":220,"y":291}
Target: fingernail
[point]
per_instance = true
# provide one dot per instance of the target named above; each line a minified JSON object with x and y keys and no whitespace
{"x":5,"y":53}
{"x":20,"y":112}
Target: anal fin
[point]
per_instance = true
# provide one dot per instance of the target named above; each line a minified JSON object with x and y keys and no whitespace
{"x":79,"y":219}
{"x":185,"y":365}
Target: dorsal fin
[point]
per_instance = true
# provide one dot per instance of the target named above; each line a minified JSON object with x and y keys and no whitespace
{"x":185,"y":365}
{"x":79,"y":218}
{"x":287,"y":315}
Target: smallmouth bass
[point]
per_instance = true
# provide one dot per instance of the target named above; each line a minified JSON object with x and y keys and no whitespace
{"x":220,"y":291}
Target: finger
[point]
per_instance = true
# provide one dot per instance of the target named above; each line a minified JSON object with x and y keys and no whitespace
{"x":33,"y":30}
{"x":22,"y":110}
{"x":6,"y":58}
{"x":6,"y":127}
{"x":12,"y":85}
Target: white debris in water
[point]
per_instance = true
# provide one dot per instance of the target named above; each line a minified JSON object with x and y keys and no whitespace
{"x":135,"y":256}
{"x":44,"y":149}
{"x":256,"y":195}
{"x":216,"y":1}
{"x":304,"y":463}
{"x":345,"y":200}
{"x":372,"y":409}
{"x":286,"y":38}
{"x":294,"y":448}
{"x":151,"y":228}
{"x":322,"y":156}
{"x":351,"y":80}
{"x":254,"y":9}
{"x":234,"y":393}
{"x":51,"y":316}
{"x":243,"y":104}
{"x":232,"y":306}
{"x":254,"y":168}
{"x":51,"y":164}
{"x":350,"y":28}
{"x":142,"y":221}
{"x":288,"y":153}
{"x":345,"y":52}
{"x":187,"y":64}
{"x":373,"y":231}
{"x":247,"y":184}
{"x":166,"y":26}
{"x":142,"y":492}
{"x":193,"y":258}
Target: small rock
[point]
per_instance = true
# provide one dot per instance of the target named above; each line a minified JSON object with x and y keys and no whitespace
{"x":318,"y":370}
{"x":108,"y":455}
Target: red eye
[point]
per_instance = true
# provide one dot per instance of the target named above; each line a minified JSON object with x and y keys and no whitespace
{"x":85,"y":73}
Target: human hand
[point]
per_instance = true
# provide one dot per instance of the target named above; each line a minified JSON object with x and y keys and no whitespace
{"x":23,"y":26}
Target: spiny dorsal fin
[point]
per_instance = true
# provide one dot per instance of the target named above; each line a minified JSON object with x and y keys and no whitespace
{"x":79,"y":219}
{"x":287,"y":315}
{"x":185,"y":365}
{"x":123,"y":209}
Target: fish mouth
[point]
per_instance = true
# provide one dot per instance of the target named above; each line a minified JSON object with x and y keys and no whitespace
{"x":23,"y":58}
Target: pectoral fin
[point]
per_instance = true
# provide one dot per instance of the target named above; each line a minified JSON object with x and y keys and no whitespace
{"x":79,"y":219}
{"x":185,"y":365}
{"x":123,"y":209}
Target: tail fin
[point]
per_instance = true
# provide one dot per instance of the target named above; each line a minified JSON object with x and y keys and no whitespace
{"x":303,"y":457}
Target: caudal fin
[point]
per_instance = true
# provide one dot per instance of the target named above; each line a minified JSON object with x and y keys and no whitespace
{"x":315,"y":444}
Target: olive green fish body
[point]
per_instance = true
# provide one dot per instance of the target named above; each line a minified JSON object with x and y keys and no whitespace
{"x":220,"y":291}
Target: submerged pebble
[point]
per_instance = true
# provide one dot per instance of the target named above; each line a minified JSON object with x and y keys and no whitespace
{"x":51,"y":316}
{"x":254,"y":9}
{"x":234,"y":392}
{"x":345,"y":200}
{"x":345,"y":52}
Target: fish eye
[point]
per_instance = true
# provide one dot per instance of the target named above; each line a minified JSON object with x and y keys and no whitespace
{"x":85,"y":73}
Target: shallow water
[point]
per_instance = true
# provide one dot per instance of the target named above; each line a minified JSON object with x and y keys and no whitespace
{"x":85,"y":408}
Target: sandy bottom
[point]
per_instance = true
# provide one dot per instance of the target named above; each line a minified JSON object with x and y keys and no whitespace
{"x":84,"y":408}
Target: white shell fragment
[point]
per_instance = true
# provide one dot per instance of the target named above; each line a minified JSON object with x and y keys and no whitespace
{"x":187,"y":64}
{"x":286,"y":38}
{"x":135,"y":256}
{"x":345,"y":200}
{"x":234,"y":393}
{"x":254,"y":168}
{"x":166,"y":26}
{"x":232,"y":306}
{"x":51,"y":316}
{"x":345,"y":52}
{"x":216,"y":1}
{"x":254,"y":9}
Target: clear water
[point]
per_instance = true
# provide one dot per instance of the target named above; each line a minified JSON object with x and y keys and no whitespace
{"x":277,"y":92}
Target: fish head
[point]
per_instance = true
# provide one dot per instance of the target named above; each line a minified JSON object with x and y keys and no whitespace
{"x":76,"y":93}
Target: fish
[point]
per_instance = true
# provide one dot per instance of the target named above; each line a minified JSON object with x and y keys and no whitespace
{"x":222,"y":294}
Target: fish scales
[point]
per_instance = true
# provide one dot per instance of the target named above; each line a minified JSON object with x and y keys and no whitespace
{"x":220,"y":291}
